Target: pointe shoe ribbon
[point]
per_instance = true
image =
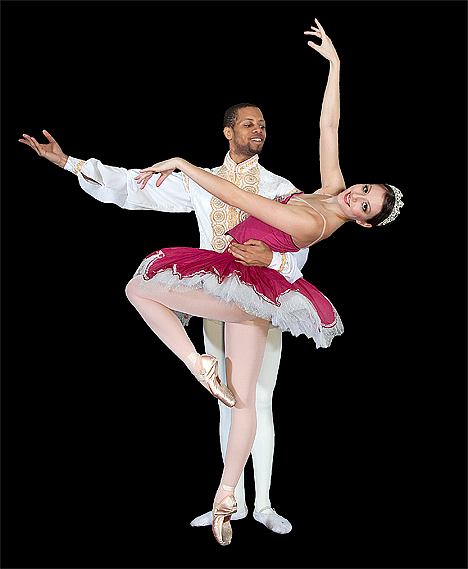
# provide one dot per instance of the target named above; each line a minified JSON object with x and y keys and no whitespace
{"x":208,"y":377}
{"x":221,"y":524}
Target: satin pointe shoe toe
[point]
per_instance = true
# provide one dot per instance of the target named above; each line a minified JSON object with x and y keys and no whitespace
{"x":221,"y":525}
{"x":208,"y":377}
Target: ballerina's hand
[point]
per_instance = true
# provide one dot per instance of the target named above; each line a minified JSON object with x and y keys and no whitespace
{"x":164,"y":168}
{"x":326,"y":48}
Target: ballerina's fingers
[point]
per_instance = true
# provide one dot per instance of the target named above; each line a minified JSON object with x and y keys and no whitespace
{"x":318,"y":34}
{"x":139,"y":176}
{"x":143,"y":183}
{"x":316,"y":47}
{"x":320,"y":27}
{"x":162,"y":177}
{"x":144,"y":177}
{"x":143,"y":180}
{"x":145,"y":172}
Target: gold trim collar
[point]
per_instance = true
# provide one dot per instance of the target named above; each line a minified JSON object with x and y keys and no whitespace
{"x":244,"y":166}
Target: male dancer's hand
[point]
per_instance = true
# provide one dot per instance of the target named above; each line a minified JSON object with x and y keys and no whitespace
{"x":252,"y":253}
{"x":50,"y":151}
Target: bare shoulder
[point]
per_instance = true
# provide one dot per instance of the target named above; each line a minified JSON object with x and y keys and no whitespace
{"x":307,"y":204}
{"x":332,"y":189}
{"x":315,"y":225}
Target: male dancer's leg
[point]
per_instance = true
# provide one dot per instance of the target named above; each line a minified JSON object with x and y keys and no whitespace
{"x":264,"y":445}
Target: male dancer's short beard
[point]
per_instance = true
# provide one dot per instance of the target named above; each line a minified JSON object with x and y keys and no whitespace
{"x":248,"y":150}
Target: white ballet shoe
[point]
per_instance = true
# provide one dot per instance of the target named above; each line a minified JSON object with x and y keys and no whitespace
{"x":273,"y":521}
{"x":207,"y":519}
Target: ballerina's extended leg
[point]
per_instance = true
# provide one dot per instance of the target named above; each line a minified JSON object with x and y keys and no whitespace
{"x":156,"y":304}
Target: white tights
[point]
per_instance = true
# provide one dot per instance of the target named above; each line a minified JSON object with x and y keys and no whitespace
{"x":245,"y":340}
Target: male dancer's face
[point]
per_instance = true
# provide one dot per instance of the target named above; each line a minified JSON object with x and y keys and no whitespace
{"x":247,"y":136}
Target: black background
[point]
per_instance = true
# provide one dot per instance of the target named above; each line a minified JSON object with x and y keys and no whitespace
{"x":109,"y":447}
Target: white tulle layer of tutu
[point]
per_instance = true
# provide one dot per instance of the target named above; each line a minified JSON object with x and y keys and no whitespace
{"x":295,"y":314}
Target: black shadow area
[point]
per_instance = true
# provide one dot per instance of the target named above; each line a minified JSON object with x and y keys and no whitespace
{"x":109,"y":447}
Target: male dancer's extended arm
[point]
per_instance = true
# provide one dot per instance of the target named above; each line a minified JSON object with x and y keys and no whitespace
{"x":110,"y":184}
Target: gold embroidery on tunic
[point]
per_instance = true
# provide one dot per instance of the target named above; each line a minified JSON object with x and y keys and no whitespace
{"x":223,"y":216}
{"x":186,"y":181}
{"x":79,"y":165}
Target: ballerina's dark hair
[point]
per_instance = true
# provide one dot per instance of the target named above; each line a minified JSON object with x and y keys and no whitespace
{"x":387,"y":207}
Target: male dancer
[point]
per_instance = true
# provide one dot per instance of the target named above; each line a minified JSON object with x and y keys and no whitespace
{"x":244,"y":128}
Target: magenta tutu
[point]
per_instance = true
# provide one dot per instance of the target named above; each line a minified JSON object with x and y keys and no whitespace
{"x":298,"y":308}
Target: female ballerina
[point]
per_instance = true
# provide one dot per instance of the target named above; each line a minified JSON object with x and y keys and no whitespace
{"x":213,"y":285}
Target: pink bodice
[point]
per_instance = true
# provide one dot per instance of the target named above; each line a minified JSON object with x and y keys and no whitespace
{"x":253,"y":228}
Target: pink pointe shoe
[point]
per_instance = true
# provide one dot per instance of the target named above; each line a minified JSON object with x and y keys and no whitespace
{"x":208,"y":377}
{"x":221,"y":524}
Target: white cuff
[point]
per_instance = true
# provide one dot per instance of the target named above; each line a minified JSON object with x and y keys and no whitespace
{"x":279,"y":262}
{"x":74,"y":165}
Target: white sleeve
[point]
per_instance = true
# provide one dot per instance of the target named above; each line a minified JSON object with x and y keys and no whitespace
{"x":111,"y":184}
{"x":289,"y":264}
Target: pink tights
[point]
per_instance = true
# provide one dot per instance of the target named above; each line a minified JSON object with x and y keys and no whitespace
{"x":245,"y":340}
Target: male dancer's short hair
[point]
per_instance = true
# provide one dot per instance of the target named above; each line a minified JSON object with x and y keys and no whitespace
{"x":230,"y":116}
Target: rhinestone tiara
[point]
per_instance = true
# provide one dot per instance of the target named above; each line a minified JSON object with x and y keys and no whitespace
{"x":396,"y":208}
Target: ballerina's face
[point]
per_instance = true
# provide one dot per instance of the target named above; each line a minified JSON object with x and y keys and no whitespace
{"x":362,"y":202}
{"x":248,"y":134}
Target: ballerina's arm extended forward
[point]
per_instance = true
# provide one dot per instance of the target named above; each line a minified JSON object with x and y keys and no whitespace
{"x":301,"y":224}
